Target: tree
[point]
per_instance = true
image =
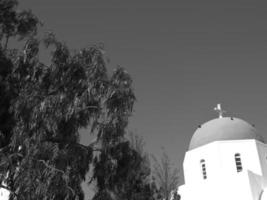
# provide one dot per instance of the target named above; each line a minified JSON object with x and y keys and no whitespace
{"x":176,"y":196}
{"x":43,"y":158}
{"x":167,"y":179}
{"x":44,"y":106}
{"x":123,"y":172}
{"x":14,"y":23}
{"x":111,"y":165}
{"x":139,"y":180}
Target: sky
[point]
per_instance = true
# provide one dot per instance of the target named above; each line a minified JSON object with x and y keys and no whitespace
{"x":184,"y":56}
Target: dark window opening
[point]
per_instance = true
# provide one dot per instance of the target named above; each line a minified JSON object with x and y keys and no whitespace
{"x":203,"y":168}
{"x":238,"y":162}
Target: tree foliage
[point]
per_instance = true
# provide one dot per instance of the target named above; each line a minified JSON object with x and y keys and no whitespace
{"x":166,"y":177}
{"x":14,"y":23}
{"x":42,"y":108}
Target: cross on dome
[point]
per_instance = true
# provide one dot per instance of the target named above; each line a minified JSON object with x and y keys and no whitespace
{"x":219,"y":110}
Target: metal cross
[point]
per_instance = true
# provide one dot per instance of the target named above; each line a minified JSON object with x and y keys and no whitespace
{"x":219,"y":110}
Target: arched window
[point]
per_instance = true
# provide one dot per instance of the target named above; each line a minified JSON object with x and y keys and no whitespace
{"x":238,"y":162}
{"x":203,"y":168}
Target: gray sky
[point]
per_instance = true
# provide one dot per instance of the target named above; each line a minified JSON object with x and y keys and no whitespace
{"x":184,"y":57}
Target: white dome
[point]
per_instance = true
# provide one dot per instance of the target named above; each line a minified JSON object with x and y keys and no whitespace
{"x":226,"y":128}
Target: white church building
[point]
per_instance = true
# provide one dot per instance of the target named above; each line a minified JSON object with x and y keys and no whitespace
{"x":226,"y":160}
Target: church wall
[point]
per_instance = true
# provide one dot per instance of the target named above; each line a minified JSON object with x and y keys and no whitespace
{"x":256,"y":184}
{"x":222,"y":173}
{"x":237,"y":188}
{"x":219,"y":159}
{"x":248,"y":152}
{"x":262,"y":151}
{"x":192,"y":166}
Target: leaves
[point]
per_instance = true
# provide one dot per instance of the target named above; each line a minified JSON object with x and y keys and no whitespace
{"x":46,"y":106}
{"x":43,"y":108}
{"x":13,"y":23}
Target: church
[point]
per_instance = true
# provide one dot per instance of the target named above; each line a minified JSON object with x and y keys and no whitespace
{"x":226,"y":160}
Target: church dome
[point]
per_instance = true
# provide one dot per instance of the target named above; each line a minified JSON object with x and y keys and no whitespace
{"x":226,"y":128}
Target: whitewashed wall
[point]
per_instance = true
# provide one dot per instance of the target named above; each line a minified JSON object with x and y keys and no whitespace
{"x":223,"y":181}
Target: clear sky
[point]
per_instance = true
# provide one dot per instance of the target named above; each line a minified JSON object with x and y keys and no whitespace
{"x":184,"y":56}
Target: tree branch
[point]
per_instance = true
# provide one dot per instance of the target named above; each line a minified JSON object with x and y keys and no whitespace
{"x":50,"y":167}
{"x":60,"y":171}
{"x":72,"y":191}
{"x":99,"y":150}
{"x":87,"y":107}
